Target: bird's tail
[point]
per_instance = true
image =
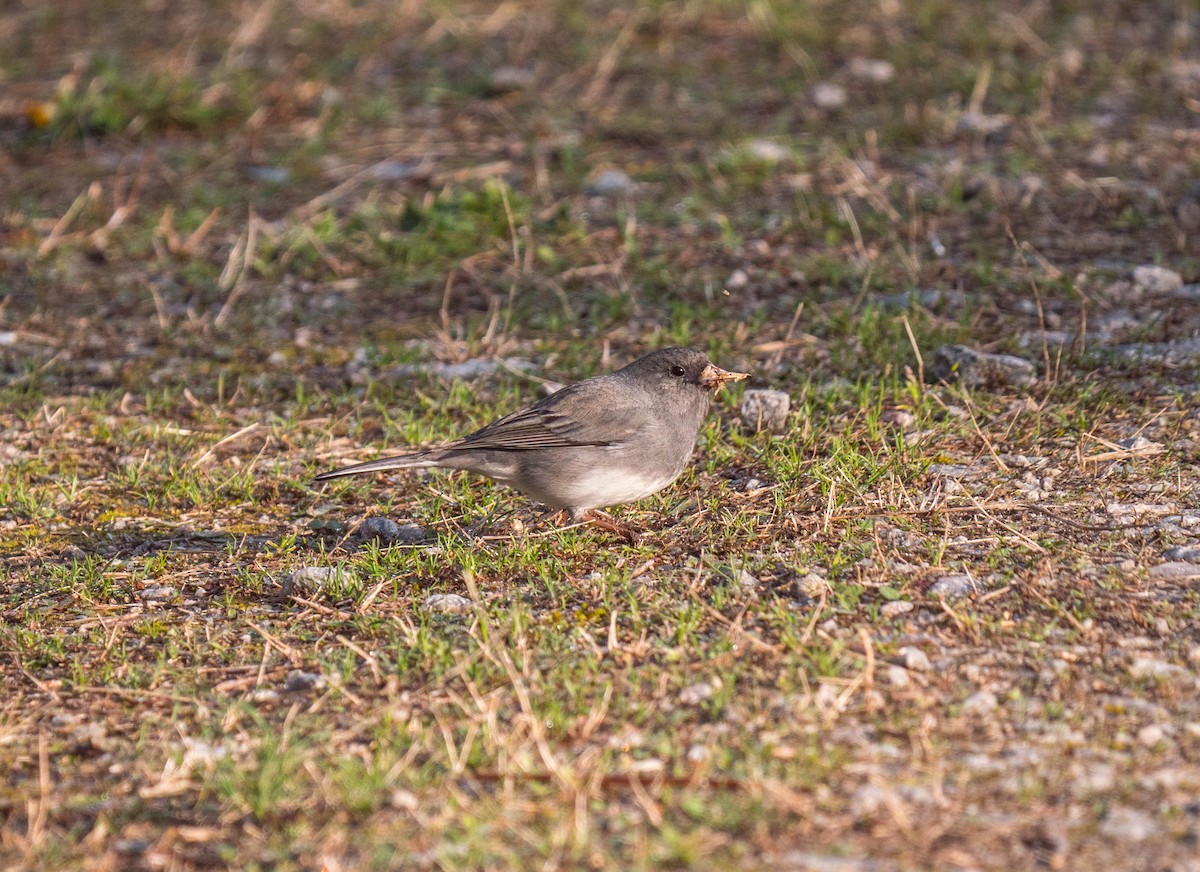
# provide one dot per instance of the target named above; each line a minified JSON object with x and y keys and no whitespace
{"x":418,"y":460}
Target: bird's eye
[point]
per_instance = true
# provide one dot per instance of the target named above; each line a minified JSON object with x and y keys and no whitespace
{"x":678,"y":371}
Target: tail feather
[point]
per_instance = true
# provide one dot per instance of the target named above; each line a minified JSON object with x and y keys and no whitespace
{"x":420,"y":460}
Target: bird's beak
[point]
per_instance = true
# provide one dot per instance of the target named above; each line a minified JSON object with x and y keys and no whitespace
{"x":714,"y":377}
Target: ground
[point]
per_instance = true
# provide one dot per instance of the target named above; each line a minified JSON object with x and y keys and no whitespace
{"x":945,"y":618}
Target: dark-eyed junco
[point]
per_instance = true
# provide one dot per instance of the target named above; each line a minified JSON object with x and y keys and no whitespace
{"x":600,"y":442}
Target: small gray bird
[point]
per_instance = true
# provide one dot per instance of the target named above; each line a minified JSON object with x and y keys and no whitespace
{"x":608,"y":440}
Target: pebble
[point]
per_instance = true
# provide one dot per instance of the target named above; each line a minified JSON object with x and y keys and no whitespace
{"x":767,"y":150}
{"x":694,"y":694}
{"x":1150,"y":279}
{"x":310,"y":579}
{"x":978,"y":369}
{"x":990,"y":126}
{"x":980,"y":702}
{"x":898,"y":418}
{"x":383,"y":529}
{"x":1175,"y":571}
{"x":1150,"y":735}
{"x":765,"y":410}
{"x":1128,"y":825}
{"x":298,"y":681}
{"x":827,"y":95}
{"x":737,"y":280}
{"x":914,"y":659}
{"x":506,"y":79}
{"x":270,"y":175}
{"x":898,"y":677}
{"x":158,"y":593}
{"x":609,"y":183}
{"x":896,"y":608}
{"x":873,"y":70}
{"x":446,"y":603}
{"x":1149,"y":667}
{"x":953,"y":586}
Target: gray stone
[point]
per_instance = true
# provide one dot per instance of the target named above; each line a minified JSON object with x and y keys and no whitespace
{"x":953,"y":586}
{"x":1175,"y":571}
{"x":1149,"y":667}
{"x":873,"y":70}
{"x":914,"y":659}
{"x":299,"y":681}
{"x":978,"y":369}
{"x":384,"y":529}
{"x":311,"y":579}
{"x":157,"y":593}
{"x":980,"y":702}
{"x":828,"y":95}
{"x":446,"y":603}
{"x":765,"y":410}
{"x":610,"y":182}
{"x":896,"y":608}
{"x":1150,"y":279}
{"x":1187,"y":553}
{"x":1128,"y":825}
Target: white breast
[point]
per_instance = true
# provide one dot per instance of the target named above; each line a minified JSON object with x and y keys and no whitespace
{"x":609,"y":487}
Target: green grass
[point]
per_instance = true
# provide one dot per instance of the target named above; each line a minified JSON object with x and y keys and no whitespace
{"x":227,"y":239}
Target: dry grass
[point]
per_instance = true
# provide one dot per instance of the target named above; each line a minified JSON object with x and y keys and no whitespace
{"x":925,"y":628}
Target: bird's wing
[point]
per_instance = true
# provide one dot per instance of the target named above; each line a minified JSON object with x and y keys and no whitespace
{"x":582,"y":414}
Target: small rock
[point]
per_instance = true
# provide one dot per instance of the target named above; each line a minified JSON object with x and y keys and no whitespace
{"x":869,"y":799}
{"x":767,"y":150}
{"x":765,"y":410}
{"x":953,"y":586}
{"x":446,"y":603}
{"x":1175,"y":571}
{"x":981,"y":702}
{"x":405,"y":799}
{"x":1140,"y":444}
{"x":299,"y":681}
{"x":131,"y":846}
{"x":737,"y":280}
{"x":1128,"y":825}
{"x":397,"y":171}
{"x":746,"y":581}
{"x":698,"y":754}
{"x":914,"y":659}
{"x":827,"y":95}
{"x":610,"y":183}
{"x":977,"y":369}
{"x":411,"y":534}
{"x":1149,"y":667}
{"x":694,"y":694}
{"x":1152,"y":279}
{"x":310,"y":579}
{"x":898,"y":418}
{"x":506,"y":79}
{"x":92,"y":735}
{"x":384,"y":529}
{"x":898,"y":677}
{"x":1150,"y":735}
{"x":812,"y":585}
{"x":989,"y":126}
{"x":157,"y":593}
{"x":896,"y":608}
{"x":269,"y":175}
{"x":873,"y":70}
